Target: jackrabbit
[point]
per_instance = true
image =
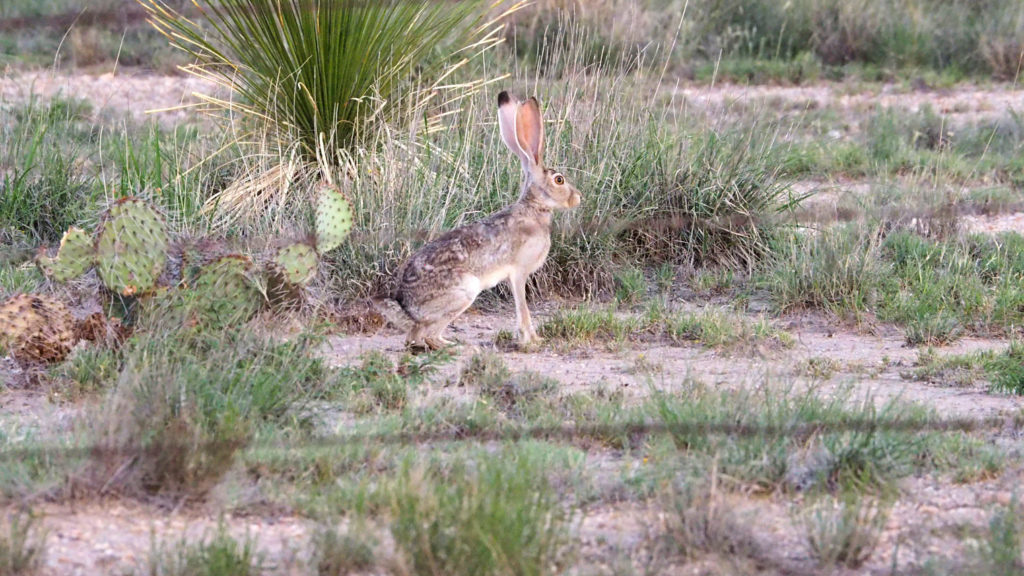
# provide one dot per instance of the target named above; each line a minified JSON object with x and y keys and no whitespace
{"x":442,"y":279}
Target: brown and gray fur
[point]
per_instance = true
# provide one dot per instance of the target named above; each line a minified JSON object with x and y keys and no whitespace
{"x":442,"y":279}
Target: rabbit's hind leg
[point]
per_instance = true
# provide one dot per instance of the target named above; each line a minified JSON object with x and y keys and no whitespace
{"x":453,"y":305}
{"x":414,"y":340}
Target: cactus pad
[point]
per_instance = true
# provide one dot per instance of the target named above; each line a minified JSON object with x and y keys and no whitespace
{"x":75,"y":256}
{"x":224,"y":293}
{"x":131,"y":248}
{"x":296,"y":263}
{"x":36,"y":328}
{"x":333,"y":219}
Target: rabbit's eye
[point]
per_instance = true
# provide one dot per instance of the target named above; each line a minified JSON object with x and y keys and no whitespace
{"x":559,"y":179}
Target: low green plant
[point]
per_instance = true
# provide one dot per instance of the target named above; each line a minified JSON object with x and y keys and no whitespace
{"x":1006,"y":369}
{"x":665,"y":277}
{"x":967,"y":457}
{"x":219,"y":555}
{"x":756,"y":437}
{"x":584,"y":325}
{"x":89,"y":370}
{"x":947,"y":370}
{"x":378,"y":383}
{"x":22,"y":545}
{"x":819,"y":367}
{"x":184,"y":403}
{"x":41,"y":191}
{"x":488,"y":514}
{"x":698,"y":521}
{"x":716,"y":328}
{"x":1001,"y":551}
{"x":712,"y":327}
{"x":341,"y":552}
{"x":844,"y":531}
{"x":838,"y":269}
{"x":630,"y":286}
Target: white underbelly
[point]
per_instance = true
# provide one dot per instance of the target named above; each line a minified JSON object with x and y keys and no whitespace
{"x":474,"y":284}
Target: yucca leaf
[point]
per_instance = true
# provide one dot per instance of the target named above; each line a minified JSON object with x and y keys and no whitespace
{"x":325,"y":70}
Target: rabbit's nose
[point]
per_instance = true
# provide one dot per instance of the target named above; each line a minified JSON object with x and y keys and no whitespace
{"x":575,"y":199}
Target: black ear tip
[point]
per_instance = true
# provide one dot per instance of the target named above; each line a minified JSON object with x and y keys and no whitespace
{"x":503,"y":98}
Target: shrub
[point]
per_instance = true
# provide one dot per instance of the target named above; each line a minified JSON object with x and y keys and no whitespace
{"x":837,"y":269}
{"x":845,"y":531}
{"x":494,"y":514}
{"x":221,"y":555}
{"x":21,"y":545}
{"x":183,"y":404}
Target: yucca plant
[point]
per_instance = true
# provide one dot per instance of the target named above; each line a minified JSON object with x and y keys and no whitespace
{"x":320,"y":75}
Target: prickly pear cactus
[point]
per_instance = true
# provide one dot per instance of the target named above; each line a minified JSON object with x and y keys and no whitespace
{"x":224,"y":293}
{"x":74,"y":257}
{"x":333,"y":219}
{"x":296,"y":263}
{"x":131,"y":247}
{"x":36,"y":328}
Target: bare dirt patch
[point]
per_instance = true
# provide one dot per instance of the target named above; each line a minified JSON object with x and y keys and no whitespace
{"x":872,"y":364}
{"x":963,"y":103}
{"x":140,"y":96}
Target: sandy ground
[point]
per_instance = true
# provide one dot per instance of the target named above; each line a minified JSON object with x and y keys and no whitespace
{"x":138,"y":95}
{"x":166,"y":98}
{"x":872,"y":364}
{"x":962,"y":103}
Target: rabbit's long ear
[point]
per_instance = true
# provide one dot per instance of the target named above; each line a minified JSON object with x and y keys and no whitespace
{"x":507,"y":112}
{"x":530,"y":130}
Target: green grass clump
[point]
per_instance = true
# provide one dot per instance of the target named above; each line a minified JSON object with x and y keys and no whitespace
{"x":710,"y":327}
{"x":42,"y":192}
{"x":1001,"y":552}
{"x":62,"y":162}
{"x":948,"y":370}
{"x":184,"y":404}
{"x":89,"y":370}
{"x":586,"y":325}
{"x":1006,"y":369}
{"x":220,"y":555}
{"x":938,"y":290}
{"x":379,"y":383}
{"x":845,"y":531}
{"x":515,"y":395}
{"x":486,"y":514}
{"x":22,"y":547}
{"x":698,"y":521}
{"x":715,"y":328}
{"x":864,"y":459}
{"x":946,"y":288}
{"x":630,"y":286}
{"x":340,"y":552}
{"x":837,"y":270}
{"x":724,"y":207}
